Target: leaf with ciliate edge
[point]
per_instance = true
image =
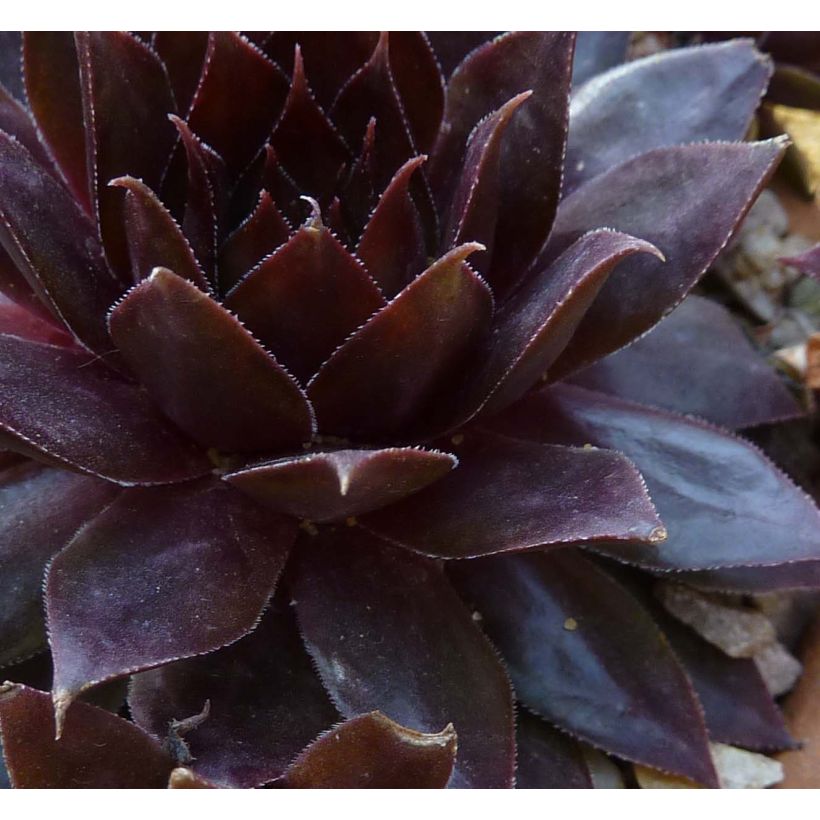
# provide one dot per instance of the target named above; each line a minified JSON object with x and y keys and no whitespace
{"x":98,"y":750}
{"x":583,"y":654}
{"x":266,"y":703}
{"x":17,"y":320}
{"x":52,"y":79}
{"x":206,"y":371}
{"x":54,"y":245}
{"x":388,"y":373}
{"x":451,"y":47}
{"x":373,"y":752}
{"x":675,"y":97}
{"x":153,"y":237}
{"x":126,"y":97}
{"x":687,"y":201}
{"x":387,"y":632}
{"x":532,"y":328}
{"x":756,"y":580}
{"x":392,"y":243}
{"x":532,"y":155}
{"x":696,"y":361}
{"x":16,"y":121}
{"x":723,"y":503}
{"x":511,"y":496}
{"x":40,"y":510}
{"x":304,"y":299}
{"x":235,"y":124}
{"x":595,"y":52}
{"x":315,"y":171}
{"x":61,"y":406}
{"x":548,"y":758}
{"x":10,"y":59}
{"x":257,"y":237}
{"x":334,"y":485}
{"x":111,"y":609}
{"x":183,"y":54}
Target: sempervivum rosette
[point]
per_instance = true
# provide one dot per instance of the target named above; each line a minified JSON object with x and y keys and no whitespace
{"x":303,"y":422}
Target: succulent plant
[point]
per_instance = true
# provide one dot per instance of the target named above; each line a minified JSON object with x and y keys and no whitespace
{"x":317,"y":407}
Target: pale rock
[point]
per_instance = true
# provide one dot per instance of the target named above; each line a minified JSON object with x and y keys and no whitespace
{"x":741,"y":769}
{"x":779,"y":669}
{"x":605,"y":774}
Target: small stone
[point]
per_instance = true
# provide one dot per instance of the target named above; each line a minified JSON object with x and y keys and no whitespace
{"x":604,"y":773}
{"x":739,"y":632}
{"x":570,"y":624}
{"x":779,"y":669}
{"x":741,"y":769}
{"x":653,"y":779}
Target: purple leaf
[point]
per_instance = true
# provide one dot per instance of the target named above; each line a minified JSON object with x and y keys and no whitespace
{"x":547,"y":758}
{"x":675,"y":97}
{"x":304,"y":299}
{"x":687,"y":201}
{"x":533,"y":150}
{"x":206,"y":371}
{"x":183,"y":54}
{"x":266,"y":703}
{"x":756,"y":580}
{"x":14,"y":287}
{"x":236,"y":124}
{"x":126,"y":101}
{"x":111,"y":609}
{"x":154,"y":238}
{"x":698,"y":361}
{"x":18,"y":320}
{"x":61,"y":406}
{"x":315,"y":171}
{"x":532,"y":328}
{"x":808,"y":262}
{"x":17,"y":122}
{"x":52,"y":78}
{"x":451,"y":47}
{"x":53,"y":244}
{"x":389,"y":371}
{"x":510,"y":496}
{"x":373,"y":752}
{"x":723,"y":503}
{"x":10,"y":76}
{"x":41,"y":510}
{"x":372,"y":92}
{"x":387,"y":632}
{"x":342,"y":483}
{"x":584,"y":655}
{"x":596,"y":51}
{"x":257,"y":237}
{"x":98,"y":750}
{"x":392,"y":243}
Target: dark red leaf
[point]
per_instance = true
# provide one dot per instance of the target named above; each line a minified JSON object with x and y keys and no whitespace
{"x":387,"y":632}
{"x":19,"y":320}
{"x":183,"y":53}
{"x":596,"y":51}
{"x":547,"y":758}
{"x":583,"y":654}
{"x":696,"y":361}
{"x":451,"y":47}
{"x":510,"y":496}
{"x":52,"y":78}
{"x":315,"y":171}
{"x":687,"y":201}
{"x":266,"y":703}
{"x":41,"y":510}
{"x":154,"y":238}
{"x":257,"y":237}
{"x":111,"y":607}
{"x":474,"y":206}
{"x":723,"y":503}
{"x":533,"y":149}
{"x":98,"y":750}
{"x":17,"y":122}
{"x":236,"y":122}
{"x":10,"y":60}
{"x":126,"y":101}
{"x":206,"y":371}
{"x":306,"y":298}
{"x":358,"y":190}
{"x":373,"y":752}
{"x":372,"y":92}
{"x":420,"y":85}
{"x":61,"y":406}
{"x":392,"y":243}
{"x":532,"y":328}
{"x":675,"y":97}
{"x":342,"y":483}
{"x":13,"y":286}
{"x":388,"y":373}
{"x":54,"y":245}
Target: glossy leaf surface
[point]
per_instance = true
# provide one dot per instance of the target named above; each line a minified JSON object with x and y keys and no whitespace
{"x":387,"y":632}
{"x":548,"y":758}
{"x":595,"y":52}
{"x":511,"y":496}
{"x":205,"y":370}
